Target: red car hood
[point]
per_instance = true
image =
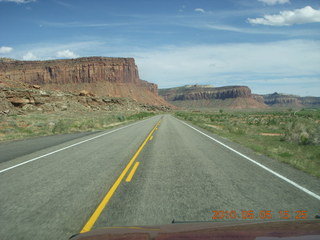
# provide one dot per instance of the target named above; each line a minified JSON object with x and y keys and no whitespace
{"x":285,"y":230}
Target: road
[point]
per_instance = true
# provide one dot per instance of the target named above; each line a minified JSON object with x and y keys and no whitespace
{"x":10,"y":151}
{"x":183,"y":174}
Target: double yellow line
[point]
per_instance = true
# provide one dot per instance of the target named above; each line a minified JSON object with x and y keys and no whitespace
{"x":87,"y":227}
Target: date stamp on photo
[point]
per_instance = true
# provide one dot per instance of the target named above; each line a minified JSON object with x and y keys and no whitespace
{"x":261,"y":215}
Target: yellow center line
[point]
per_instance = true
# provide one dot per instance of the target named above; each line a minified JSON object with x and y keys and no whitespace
{"x":132,"y":172}
{"x":151,"y":138}
{"x":87,"y":227}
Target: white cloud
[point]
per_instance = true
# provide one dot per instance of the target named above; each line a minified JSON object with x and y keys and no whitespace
{"x":29,"y":56}
{"x":287,"y":18}
{"x":66,"y":54}
{"x":290,"y":32}
{"x":274,"y":2}
{"x":231,"y":64}
{"x":48,"y":51}
{"x":199,"y":10}
{"x":4,"y":49}
{"x":18,"y":1}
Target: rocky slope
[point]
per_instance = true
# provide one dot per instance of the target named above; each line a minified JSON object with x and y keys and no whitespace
{"x":199,"y":96}
{"x":32,"y":99}
{"x":100,"y":76}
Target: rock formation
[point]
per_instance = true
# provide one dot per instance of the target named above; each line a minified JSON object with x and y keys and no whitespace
{"x":196,"y":96}
{"x":236,"y":97}
{"x":24,"y":100}
{"x":290,"y":101}
{"x":101,"y":76}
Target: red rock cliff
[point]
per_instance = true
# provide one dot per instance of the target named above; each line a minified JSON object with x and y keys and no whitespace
{"x":116,"y":77}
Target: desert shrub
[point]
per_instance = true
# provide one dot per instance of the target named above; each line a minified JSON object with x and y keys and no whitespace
{"x":121,"y":118}
{"x":272,"y":121}
{"x":140,"y":115}
{"x":12,"y":124}
{"x":62,"y":126}
{"x":189,"y":118}
{"x":91,"y":124}
{"x":285,"y":154}
{"x":235,"y":129}
{"x":28,"y":131}
{"x":303,"y":132}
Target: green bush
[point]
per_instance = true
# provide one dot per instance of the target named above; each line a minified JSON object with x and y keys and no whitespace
{"x":121,"y":118}
{"x":62,"y":126}
{"x":141,"y":115}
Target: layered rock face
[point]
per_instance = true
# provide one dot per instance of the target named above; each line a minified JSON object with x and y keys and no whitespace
{"x":283,"y":100}
{"x":310,"y":101}
{"x":200,"y":93}
{"x":101,"y":76}
{"x":236,"y":97}
{"x":81,"y":70}
{"x":208,"y":96}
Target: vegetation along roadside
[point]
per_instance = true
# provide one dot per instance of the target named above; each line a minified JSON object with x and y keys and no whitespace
{"x":290,"y":137}
{"x":16,"y":127}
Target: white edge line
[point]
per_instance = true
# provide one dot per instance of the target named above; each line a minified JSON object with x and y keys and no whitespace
{"x":259,"y":164}
{"x":73,"y":145}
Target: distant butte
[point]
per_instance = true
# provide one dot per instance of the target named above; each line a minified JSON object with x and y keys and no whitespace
{"x":206,"y":96}
{"x":234,"y":97}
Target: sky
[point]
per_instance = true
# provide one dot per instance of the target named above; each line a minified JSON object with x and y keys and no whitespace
{"x":268,"y":45}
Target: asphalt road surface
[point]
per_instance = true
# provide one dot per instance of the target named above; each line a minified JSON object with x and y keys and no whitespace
{"x":20,"y":148}
{"x":177,"y":172}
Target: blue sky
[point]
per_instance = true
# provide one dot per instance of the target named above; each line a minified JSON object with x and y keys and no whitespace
{"x":268,"y":45}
